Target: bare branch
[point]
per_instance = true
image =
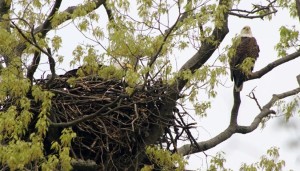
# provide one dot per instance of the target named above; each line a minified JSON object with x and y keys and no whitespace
{"x":252,"y":96}
{"x":31,"y":41}
{"x":267,"y":10}
{"x":205,"y":145}
{"x":272,"y":65}
{"x":166,"y":36}
{"x":253,"y":16}
{"x":266,"y":111}
{"x":232,"y":129}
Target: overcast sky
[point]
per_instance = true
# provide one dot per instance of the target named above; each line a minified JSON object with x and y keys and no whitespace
{"x":239,"y":148}
{"x":249,"y":148}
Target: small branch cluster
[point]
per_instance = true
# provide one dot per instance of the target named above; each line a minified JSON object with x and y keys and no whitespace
{"x":258,"y":11}
{"x":178,"y":131}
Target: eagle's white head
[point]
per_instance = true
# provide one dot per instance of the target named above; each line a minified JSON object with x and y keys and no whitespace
{"x":246,"y":32}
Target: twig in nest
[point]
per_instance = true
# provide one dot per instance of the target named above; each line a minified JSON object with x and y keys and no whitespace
{"x":137,"y":116}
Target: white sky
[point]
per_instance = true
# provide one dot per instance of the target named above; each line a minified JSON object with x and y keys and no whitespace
{"x":239,"y":148}
{"x":250,"y":147}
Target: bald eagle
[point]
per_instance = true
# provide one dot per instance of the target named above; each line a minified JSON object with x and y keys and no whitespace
{"x":247,"y":48}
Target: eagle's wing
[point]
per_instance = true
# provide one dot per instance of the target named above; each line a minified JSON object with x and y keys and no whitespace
{"x":253,"y":48}
{"x":238,"y":57}
{"x":247,"y":47}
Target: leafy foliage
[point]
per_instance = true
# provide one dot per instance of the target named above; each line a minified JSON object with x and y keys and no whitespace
{"x":165,"y":159}
{"x":268,"y":162}
{"x":288,"y":38}
{"x":133,"y":48}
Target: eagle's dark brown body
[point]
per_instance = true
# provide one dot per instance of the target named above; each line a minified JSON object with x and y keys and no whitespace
{"x":247,"y":48}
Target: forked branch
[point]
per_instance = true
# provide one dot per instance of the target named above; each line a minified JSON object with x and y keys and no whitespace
{"x":258,"y":11}
{"x":232,"y":129}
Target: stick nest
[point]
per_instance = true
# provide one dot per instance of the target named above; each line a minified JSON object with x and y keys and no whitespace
{"x":108,"y":122}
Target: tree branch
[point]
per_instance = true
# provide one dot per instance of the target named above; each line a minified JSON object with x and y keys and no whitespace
{"x":52,"y":67}
{"x":268,"y":10}
{"x":252,"y":96}
{"x":46,"y":26}
{"x":34,"y":65}
{"x":266,"y":111}
{"x":195,"y":62}
{"x":206,"y":49}
{"x":232,"y":129}
{"x":298,"y":8}
{"x":166,"y":36}
{"x":272,"y":65}
{"x":235,"y":108}
{"x":4,"y":9}
{"x":252,"y":16}
{"x":108,"y":12}
{"x":205,"y":145}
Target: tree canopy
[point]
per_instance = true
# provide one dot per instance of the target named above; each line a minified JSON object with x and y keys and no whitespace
{"x":120,"y":99}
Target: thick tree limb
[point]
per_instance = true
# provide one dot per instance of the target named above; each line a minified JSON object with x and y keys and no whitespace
{"x":108,"y":12}
{"x":204,"y":53}
{"x":198,"y":59}
{"x":4,"y":9}
{"x":206,"y":49}
{"x":235,"y":108}
{"x":205,"y":145}
{"x":298,"y":8}
{"x":232,"y":129}
{"x":46,"y":26}
{"x":52,"y":66}
{"x":272,"y":65}
{"x":34,"y":65}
